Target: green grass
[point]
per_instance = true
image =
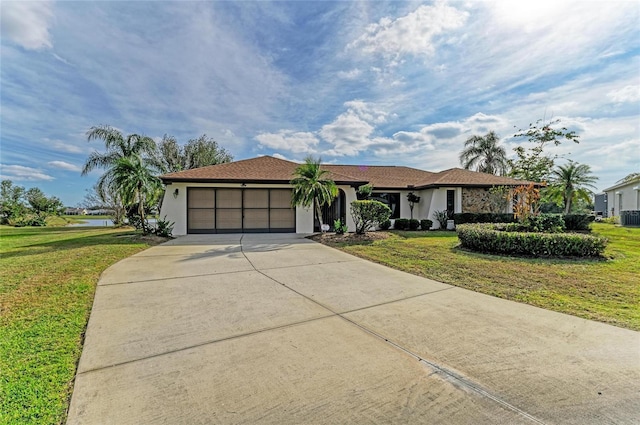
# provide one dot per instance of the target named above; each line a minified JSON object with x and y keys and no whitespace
{"x":47,"y":283}
{"x":607,"y":290}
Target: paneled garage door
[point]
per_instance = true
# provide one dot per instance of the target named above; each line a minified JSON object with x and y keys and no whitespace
{"x":239,"y":210}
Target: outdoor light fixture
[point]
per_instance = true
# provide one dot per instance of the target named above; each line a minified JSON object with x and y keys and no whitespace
{"x":175,"y":193}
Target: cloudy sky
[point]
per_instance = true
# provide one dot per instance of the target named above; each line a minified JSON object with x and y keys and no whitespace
{"x":400,"y":83}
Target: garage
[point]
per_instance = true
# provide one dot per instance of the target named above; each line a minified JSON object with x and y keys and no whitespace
{"x":229,"y":210}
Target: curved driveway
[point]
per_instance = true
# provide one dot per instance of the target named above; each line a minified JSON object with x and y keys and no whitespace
{"x":278,"y":329}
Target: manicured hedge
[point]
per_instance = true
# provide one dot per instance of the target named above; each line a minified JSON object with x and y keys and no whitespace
{"x":578,"y":222}
{"x":401,"y":224}
{"x":426,"y":224}
{"x":572,"y":222}
{"x":492,"y":238}
{"x":463,"y":218}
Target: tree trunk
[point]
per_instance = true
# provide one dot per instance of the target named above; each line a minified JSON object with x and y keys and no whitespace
{"x":318,"y":213}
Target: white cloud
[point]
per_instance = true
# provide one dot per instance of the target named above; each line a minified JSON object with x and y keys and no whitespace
{"x":21,"y":173}
{"x":27,"y":23}
{"x":629,"y":93}
{"x":64,"y":166}
{"x":412,"y":34}
{"x":352,"y":74}
{"x":296,"y":142}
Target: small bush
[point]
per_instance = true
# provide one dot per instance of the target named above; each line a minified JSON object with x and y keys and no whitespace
{"x":489,"y":239}
{"x":401,"y":224}
{"x":611,"y":220}
{"x":577,"y":222}
{"x":414,"y":224}
{"x":367,"y":214}
{"x":30,"y":220}
{"x":545,"y":223}
{"x":441,"y":217}
{"x":164,"y":227}
{"x":425,"y":224}
{"x":339,"y":227}
{"x":385,"y":225}
{"x":464,"y":218}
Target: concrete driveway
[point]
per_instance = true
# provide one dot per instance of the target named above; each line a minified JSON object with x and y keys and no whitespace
{"x":278,"y":329}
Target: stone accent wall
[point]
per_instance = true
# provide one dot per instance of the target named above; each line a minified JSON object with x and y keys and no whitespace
{"x":478,"y":200}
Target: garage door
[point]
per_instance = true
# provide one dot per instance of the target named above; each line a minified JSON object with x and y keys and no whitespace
{"x":239,"y":210}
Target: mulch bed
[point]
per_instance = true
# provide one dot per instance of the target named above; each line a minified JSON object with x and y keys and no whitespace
{"x":349,"y":238}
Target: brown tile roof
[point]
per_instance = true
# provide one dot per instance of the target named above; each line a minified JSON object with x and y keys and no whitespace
{"x":382,"y":176}
{"x":261,"y":169}
{"x":268,"y":169}
{"x":459,"y":176}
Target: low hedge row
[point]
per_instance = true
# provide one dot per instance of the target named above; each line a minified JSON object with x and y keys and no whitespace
{"x":464,"y":218}
{"x":412,"y":224}
{"x":492,"y":238}
{"x":572,"y":222}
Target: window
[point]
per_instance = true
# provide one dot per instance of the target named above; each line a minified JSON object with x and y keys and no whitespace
{"x":392,"y":200}
{"x":451,"y":203}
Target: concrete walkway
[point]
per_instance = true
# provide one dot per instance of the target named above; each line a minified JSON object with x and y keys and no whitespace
{"x":277,"y":329}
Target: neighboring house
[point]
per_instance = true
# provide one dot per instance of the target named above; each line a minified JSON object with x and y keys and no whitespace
{"x":600,"y":205}
{"x":623,"y":197}
{"x":254,"y":195}
{"x":75,"y":211}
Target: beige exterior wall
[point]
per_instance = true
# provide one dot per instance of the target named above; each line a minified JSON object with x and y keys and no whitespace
{"x":623,"y":197}
{"x":175,"y":208}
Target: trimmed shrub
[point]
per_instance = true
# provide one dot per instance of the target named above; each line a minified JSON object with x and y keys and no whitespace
{"x":414,"y":224}
{"x":545,"y":223}
{"x":385,"y":225}
{"x":367,"y":214}
{"x":401,"y":224}
{"x":491,"y":238}
{"x":463,"y":218}
{"x":425,"y":224}
{"x":577,"y":222}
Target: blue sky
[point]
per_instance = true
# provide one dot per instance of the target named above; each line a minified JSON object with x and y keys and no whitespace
{"x":402,"y":83}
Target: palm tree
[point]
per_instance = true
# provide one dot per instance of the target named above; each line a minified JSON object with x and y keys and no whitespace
{"x":571,"y":182}
{"x":118,"y":147}
{"x":133,"y":179}
{"x":310,"y":186}
{"x":484,"y":154}
{"x":123,"y":155}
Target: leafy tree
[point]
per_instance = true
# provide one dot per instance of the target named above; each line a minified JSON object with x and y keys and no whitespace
{"x":312,"y":186}
{"x":42,"y":205}
{"x":135,"y":182}
{"x":484,"y":154}
{"x":571,"y":182}
{"x":170,"y":157}
{"x":105,"y":199}
{"x":11,"y":202}
{"x":366,"y":214}
{"x":533,"y":164}
{"x":204,"y":151}
{"x":629,"y":178}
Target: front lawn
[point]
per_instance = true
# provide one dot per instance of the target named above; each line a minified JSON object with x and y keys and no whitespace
{"x":603,"y":290}
{"x":47,"y":283}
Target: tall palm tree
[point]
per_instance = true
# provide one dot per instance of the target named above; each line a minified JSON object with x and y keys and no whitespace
{"x":134,"y":180}
{"x":117,"y":147}
{"x":311,"y":186}
{"x":570,"y":182}
{"x":484,"y":154}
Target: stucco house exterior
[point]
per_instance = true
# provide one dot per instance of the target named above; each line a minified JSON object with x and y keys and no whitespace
{"x":254,"y":195}
{"x":623,"y":197}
